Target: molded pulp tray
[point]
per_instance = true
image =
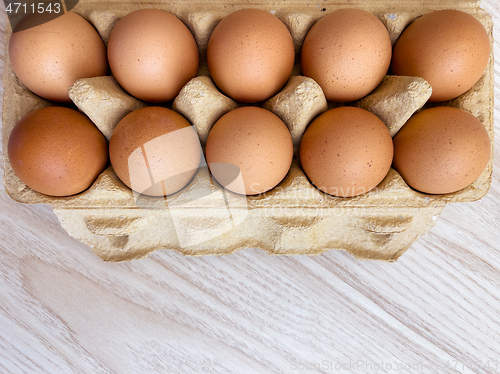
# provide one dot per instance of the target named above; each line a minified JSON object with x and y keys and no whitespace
{"x":293,"y":218}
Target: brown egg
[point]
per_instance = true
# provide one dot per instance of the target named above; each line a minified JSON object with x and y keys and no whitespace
{"x":49,"y":58}
{"x":448,"y":48}
{"x":250,"y":143}
{"x":250,"y":55}
{"x":152,"y":54}
{"x":346,"y":151}
{"x":348,"y":52}
{"x":441,"y":150}
{"x":155,"y":151}
{"x":57,"y":151}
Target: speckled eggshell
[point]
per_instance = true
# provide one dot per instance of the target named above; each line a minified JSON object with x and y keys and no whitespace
{"x":348,"y":52}
{"x":441,"y":150}
{"x":250,"y":55}
{"x":448,"y":48}
{"x":155,"y":151}
{"x":346,"y":151}
{"x":50,"y":57}
{"x":152,"y":54}
{"x":57,"y":151}
{"x":257,"y":142}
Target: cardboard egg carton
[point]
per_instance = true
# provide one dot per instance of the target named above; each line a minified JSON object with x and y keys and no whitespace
{"x":294,"y":217}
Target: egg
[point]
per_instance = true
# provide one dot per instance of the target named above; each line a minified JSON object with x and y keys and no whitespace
{"x":348,"y":52}
{"x":155,"y":151}
{"x":249,"y":150}
{"x":50,"y":57}
{"x":250,"y":55}
{"x":57,"y":151}
{"x":448,"y":48}
{"x":441,"y":150}
{"x":152,"y":54}
{"x":346,"y":151}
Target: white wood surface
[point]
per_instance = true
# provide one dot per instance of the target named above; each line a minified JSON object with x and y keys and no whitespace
{"x":63,"y":310}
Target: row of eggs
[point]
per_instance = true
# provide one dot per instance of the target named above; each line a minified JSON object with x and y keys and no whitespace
{"x":251,"y":54}
{"x":346,"y":151}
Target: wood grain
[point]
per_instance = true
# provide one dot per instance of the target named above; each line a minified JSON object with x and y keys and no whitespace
{"x":63,"y":310}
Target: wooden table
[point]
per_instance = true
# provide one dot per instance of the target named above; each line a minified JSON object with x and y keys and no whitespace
{"x":435,"y":310}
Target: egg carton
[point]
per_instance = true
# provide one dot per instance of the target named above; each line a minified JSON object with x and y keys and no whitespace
{"x":294,"y":217}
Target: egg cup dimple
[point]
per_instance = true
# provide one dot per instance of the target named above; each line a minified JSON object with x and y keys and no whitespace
{"x":292,"y":218}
